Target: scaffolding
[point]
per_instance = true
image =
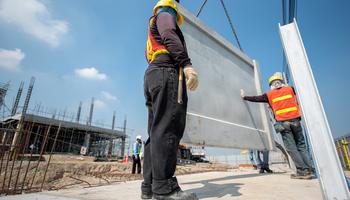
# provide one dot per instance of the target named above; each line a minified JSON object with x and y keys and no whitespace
{"x":29,"y":138}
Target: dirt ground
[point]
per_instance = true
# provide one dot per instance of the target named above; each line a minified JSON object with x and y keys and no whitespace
{"x":68,"y":171}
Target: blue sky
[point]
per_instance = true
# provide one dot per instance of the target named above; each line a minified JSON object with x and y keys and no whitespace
{"x":87,"y":48}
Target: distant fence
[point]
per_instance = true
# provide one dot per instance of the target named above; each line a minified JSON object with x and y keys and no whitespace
{"x":274,"y":158}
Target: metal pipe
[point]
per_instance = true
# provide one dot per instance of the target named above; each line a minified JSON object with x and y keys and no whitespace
{"x":113,"y":121}
{"x":346,"y":153}
{"x":91,"y":111}
{"x":78,"y":113}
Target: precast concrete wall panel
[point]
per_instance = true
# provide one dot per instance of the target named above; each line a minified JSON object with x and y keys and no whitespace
{"x":217,"y":115}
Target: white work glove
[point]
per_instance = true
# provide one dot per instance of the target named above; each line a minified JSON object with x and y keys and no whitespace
{"x":191,"y":77}
{"x":242,"y":93}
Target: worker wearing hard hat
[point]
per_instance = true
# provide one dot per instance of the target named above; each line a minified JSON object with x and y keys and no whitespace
{"x":284,"y":104}
{"x":166,"y":101}
{"x":136,"y":159}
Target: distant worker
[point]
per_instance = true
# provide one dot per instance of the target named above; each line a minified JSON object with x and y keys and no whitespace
{"x":166,"y":101}
{"x":263,"y":164}
{"x":258,"y":163}
{"x":252,"y":158}
{"x":136,"y":159}
{"x":283,"y":102}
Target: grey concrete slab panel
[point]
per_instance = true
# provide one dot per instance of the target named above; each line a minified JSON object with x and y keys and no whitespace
{"x":217,"y":115}
{"x":331,"y":175}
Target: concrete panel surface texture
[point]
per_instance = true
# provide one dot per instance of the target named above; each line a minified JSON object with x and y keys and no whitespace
{"x":217,"y":116}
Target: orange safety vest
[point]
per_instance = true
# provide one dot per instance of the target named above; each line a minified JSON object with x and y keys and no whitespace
{"x":284,"y":103}
{"x":153,"y":48}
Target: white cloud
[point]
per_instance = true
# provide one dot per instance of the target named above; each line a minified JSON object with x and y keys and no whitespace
{"x":99,"y":104}
{"x":108,"y":96}
{"x":34,"y":18}
{"x":90,"y":73}
{"x":11,"y":59}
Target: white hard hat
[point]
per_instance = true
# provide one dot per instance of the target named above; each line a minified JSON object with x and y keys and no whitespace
{"x":138,"y":137}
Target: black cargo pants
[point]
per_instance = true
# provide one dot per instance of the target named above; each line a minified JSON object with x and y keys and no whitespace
{"x":294,"y":141}
{"x":136,"y":163}
{"x":166,"y":124}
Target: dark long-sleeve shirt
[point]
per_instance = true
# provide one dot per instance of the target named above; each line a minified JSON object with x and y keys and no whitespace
{"x":260,"y":98}
{"x":165,"y":31}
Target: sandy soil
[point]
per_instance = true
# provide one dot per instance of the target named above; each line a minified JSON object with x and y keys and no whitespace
{"x":67,"y":171}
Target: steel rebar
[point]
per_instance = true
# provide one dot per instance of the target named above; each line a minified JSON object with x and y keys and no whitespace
{"x":24,"y":147}
{"x":41,"y":153}
{"x":16,"y":149}
{"x":52,"y":149}
{"x":30,"y":159}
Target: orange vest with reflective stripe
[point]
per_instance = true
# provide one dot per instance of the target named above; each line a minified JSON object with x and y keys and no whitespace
{"x":284,"y":103}
{"x":153,"y":48}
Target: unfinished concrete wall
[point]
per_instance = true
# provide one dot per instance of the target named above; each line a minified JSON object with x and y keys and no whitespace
{"x":217,"y":116}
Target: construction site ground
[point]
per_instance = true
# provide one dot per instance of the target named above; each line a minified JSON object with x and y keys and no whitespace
{"x":72,"y":178}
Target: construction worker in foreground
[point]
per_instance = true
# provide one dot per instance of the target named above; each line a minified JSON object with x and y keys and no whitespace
{"x":166,"y":101}
{"x":136,"y":159}
{"x":283,"y":102}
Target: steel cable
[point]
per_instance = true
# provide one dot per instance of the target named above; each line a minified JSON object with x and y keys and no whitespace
{"x":231,"y":25}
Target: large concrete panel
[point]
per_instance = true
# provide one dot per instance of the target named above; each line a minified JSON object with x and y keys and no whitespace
{"x":217,"y":116}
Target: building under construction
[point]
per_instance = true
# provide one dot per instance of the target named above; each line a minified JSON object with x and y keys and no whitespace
{"x":29,"y":138}
{"x":38,"y":131}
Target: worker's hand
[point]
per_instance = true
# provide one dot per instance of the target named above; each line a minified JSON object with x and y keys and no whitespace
{"x":191,"y":77}
{"x":242,"y":93}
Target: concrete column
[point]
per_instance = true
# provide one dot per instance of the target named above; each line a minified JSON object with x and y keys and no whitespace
{"x":110,"y":147}
{"x":87,"y":140}
{"x":16,"y":136}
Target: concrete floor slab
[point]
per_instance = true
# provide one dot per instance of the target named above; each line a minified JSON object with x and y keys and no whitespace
{"x":235,"y":185}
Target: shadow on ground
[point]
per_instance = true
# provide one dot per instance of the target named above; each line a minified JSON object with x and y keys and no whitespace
{"x":216,"y":190}
{"x":212,"y":189}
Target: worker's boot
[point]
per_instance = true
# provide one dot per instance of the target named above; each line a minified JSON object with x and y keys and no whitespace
{"x":146,"y":196}
{"x":146,"y":191}
{"x":176,"y":195}
{"x":312,"y":173}
{"x":268,"y":170}
{"x":301,"y":176}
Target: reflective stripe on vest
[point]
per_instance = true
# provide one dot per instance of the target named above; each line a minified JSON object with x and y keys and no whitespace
{"x":278,"y":112}
{"x":153,"y":48}
{"x":284,"y":103}
{"x":288,"y":96}
{"x":138,"y":146}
